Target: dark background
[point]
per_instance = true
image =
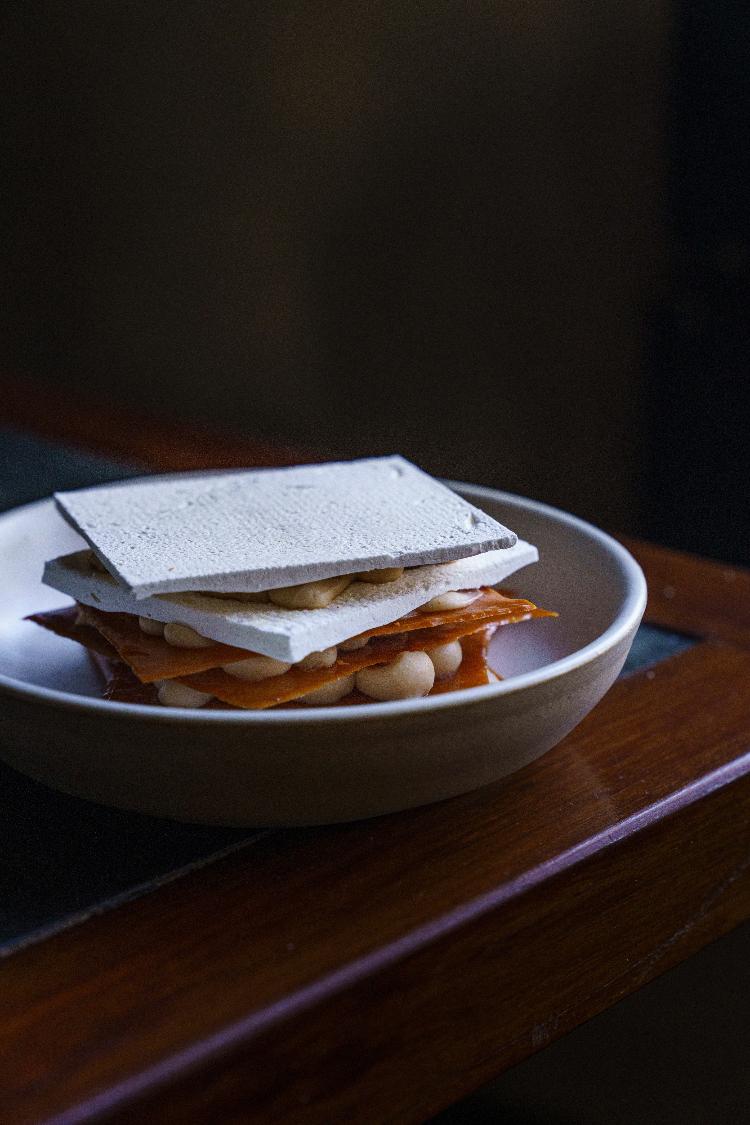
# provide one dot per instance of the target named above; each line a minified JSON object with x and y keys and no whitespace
{"x":508,"y":240}
{"x":698,"y":361}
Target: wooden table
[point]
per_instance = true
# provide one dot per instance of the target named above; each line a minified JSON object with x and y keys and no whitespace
{"x":378,"y":971}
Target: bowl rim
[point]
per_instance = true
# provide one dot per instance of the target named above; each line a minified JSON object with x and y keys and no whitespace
{"x":625,"y":621}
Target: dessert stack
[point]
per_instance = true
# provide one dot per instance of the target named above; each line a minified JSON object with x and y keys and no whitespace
{"x":318,"y":585}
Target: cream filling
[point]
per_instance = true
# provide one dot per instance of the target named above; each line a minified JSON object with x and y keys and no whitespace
{"x":319,"y":594}
{"x":312,"y":595}
{"x":410,"y":675}
{"x":453,"y":599}
{"x":171,"y":693}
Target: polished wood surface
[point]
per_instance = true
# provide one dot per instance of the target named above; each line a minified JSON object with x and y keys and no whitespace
{"x":705,"y":598}
{"x":131,"y":435}
{"x":378,"y":971}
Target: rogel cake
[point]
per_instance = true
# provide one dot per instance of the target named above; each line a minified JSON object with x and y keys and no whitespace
{"x":315,"y":585}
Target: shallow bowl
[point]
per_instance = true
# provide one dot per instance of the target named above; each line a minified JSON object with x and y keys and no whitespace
{"x":292,"y":767}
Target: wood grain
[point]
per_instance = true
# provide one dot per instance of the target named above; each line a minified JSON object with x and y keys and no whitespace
{"x":307,"y":976}
{"x":377,"y":971}
{"x":132,"y":435}
{"x":705,"y":598}
{"x":507,"y":986}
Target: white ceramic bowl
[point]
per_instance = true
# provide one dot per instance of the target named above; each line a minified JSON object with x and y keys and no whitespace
{"x":326,"y":764}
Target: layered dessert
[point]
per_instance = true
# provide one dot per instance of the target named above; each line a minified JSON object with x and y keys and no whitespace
{"x":313,"y":586}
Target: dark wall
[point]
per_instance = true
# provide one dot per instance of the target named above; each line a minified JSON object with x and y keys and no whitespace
{"x":697,"y":401}
{"x":431,"y":227}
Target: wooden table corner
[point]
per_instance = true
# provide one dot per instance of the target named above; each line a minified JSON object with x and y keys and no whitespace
{"x":379,"y":971}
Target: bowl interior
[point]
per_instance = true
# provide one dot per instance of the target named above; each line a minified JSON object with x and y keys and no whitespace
{"x":581,"y":574}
